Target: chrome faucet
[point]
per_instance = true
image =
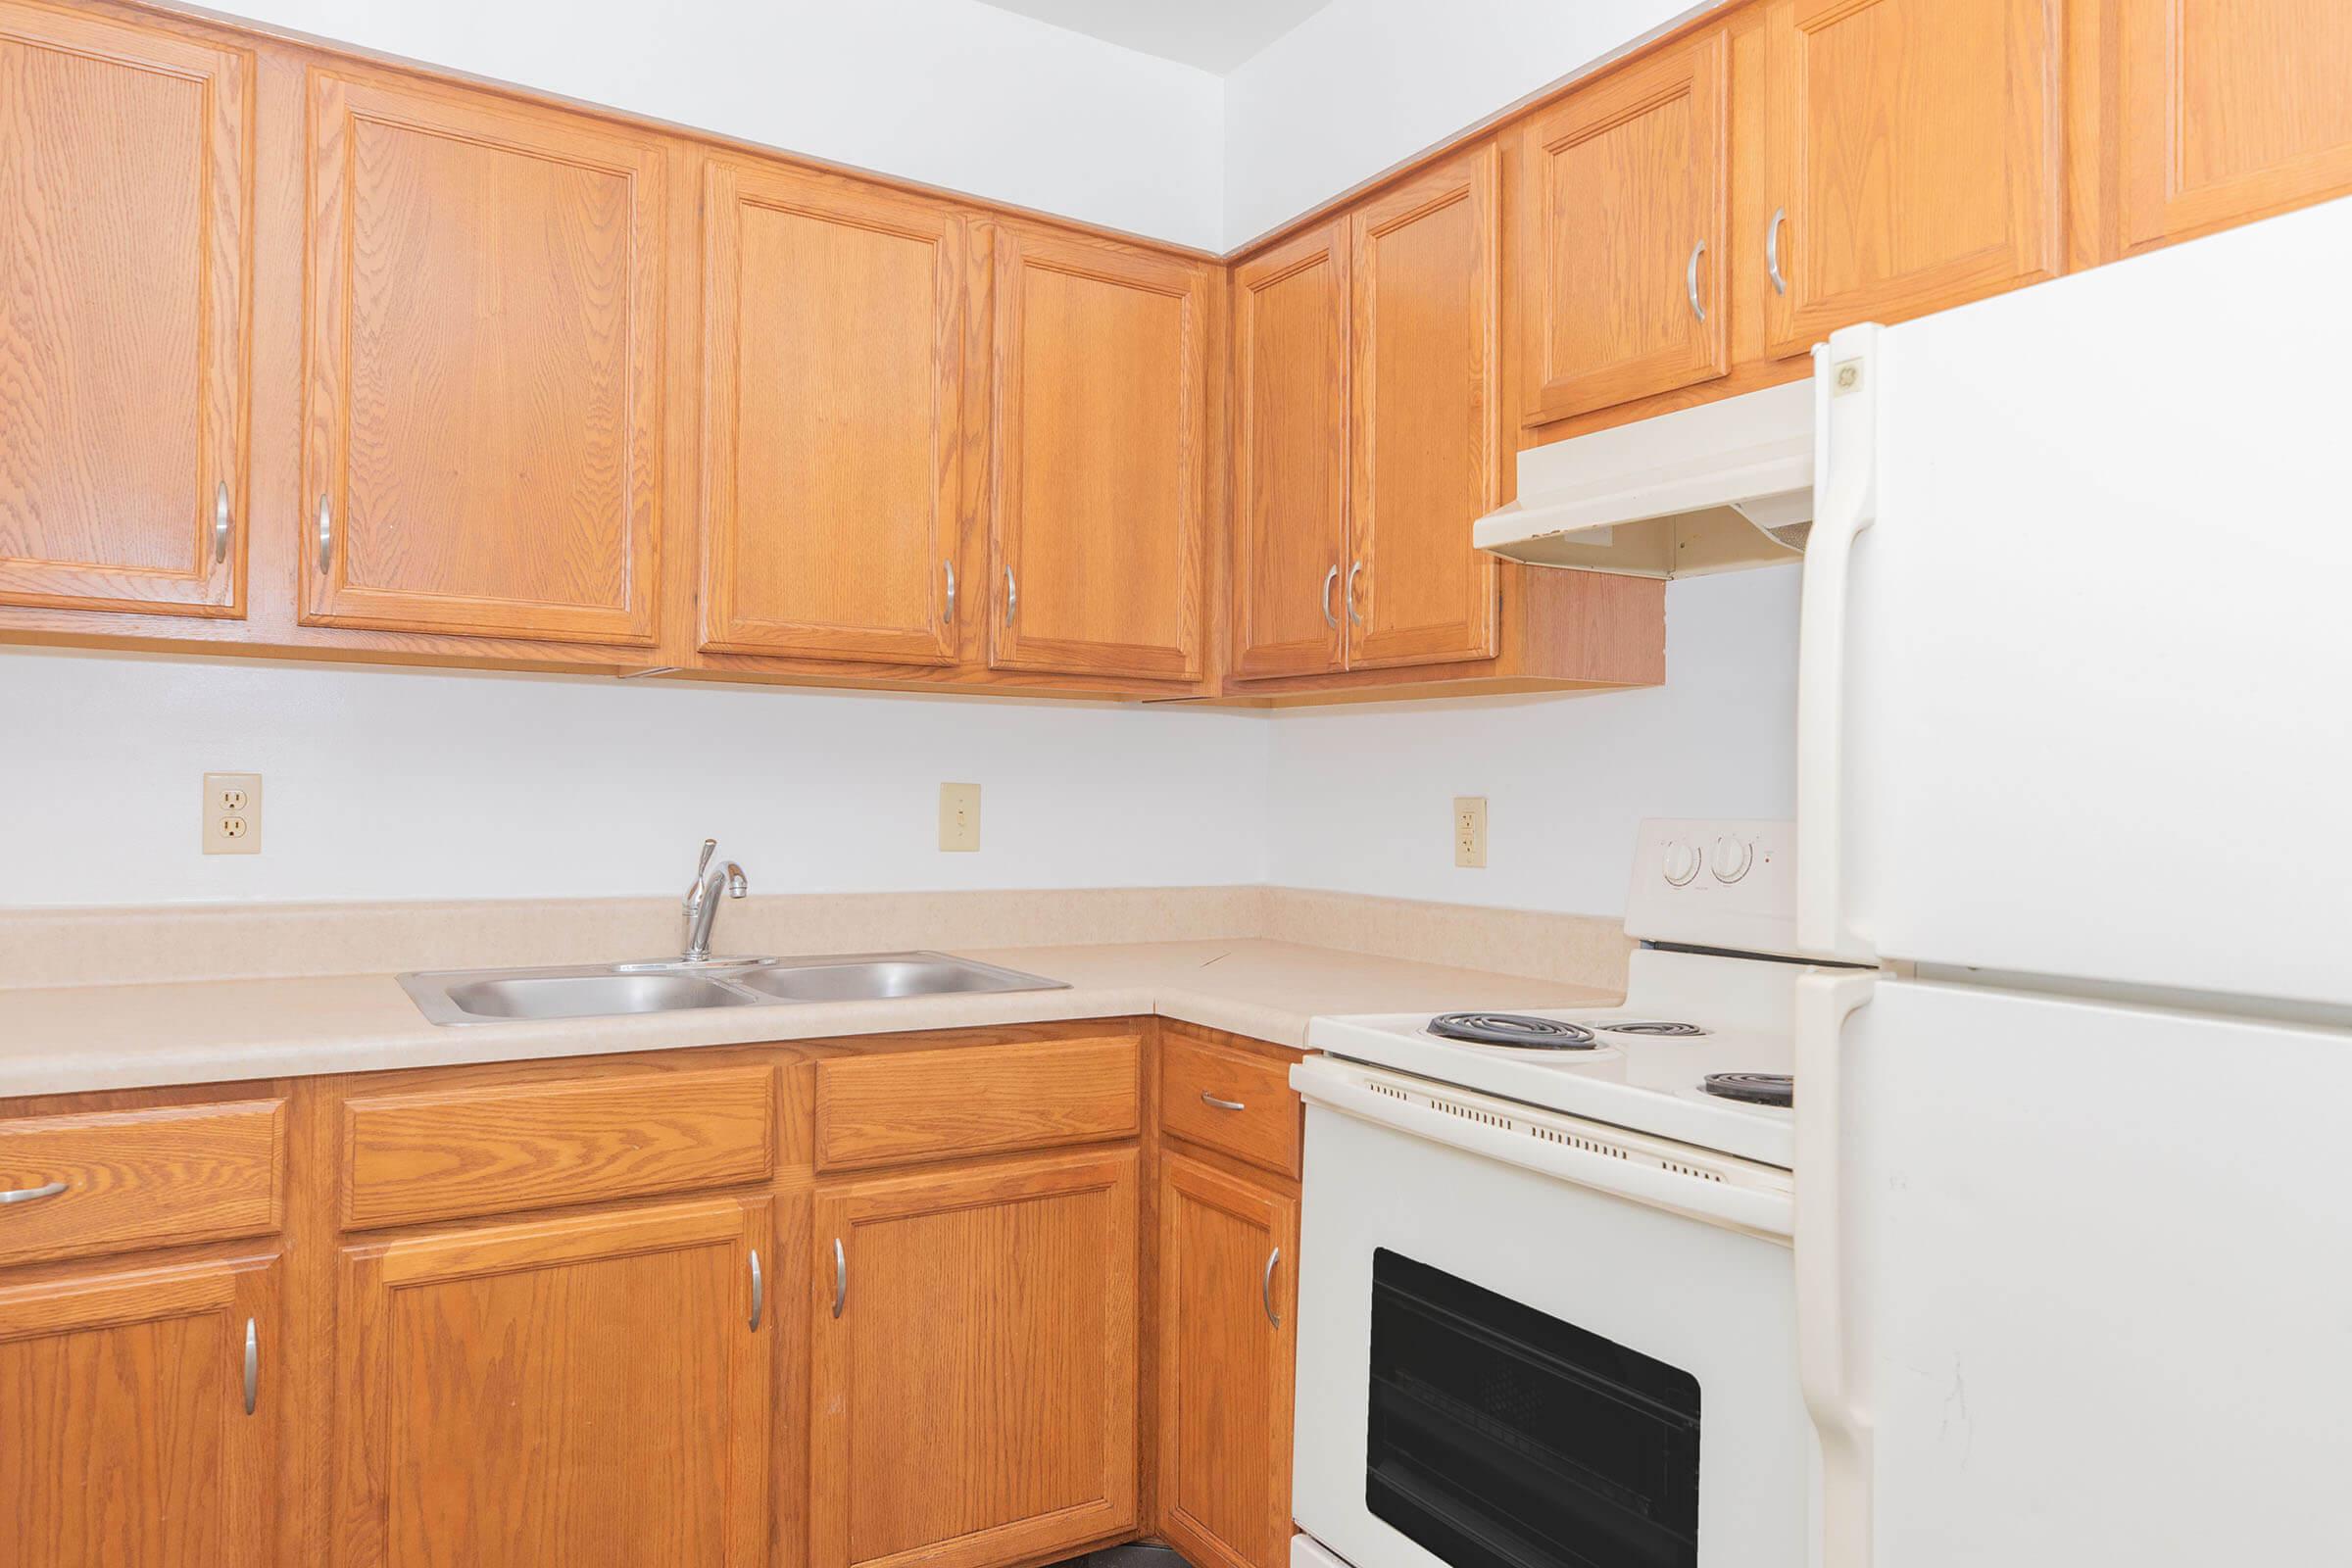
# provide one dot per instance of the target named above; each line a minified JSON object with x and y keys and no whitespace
{"x":701,"y":900}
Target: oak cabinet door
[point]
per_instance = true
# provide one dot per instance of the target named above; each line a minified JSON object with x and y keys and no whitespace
{"x":1427,"y":444}
{"x":1913,"y":158}
{"x":2230,"y":110}
{"x":1624,"y":191}
{"x":125,"y":261}
{"x":1100,"y":444}
{"x":1289,"y":518}
{"x":974,"y":1364}
{"x":584,"y":1392}
{"x":833,"y":428}
{"x":484,"y":367}
{"x":1228,"y":1270}
{"x":124,"y":1437}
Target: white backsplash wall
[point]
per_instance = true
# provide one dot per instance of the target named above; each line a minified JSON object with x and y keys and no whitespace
{"x":1362,"y":797}
{"x":389,"y":783}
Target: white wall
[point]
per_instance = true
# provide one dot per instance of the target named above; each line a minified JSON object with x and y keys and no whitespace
{"x":404,"y":783}
{"x":953,"y":92}
{"x":1363,"y":84}
{"x":1362,"y":797}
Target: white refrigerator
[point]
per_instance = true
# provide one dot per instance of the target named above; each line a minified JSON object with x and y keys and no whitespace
{"x":2073,"y":1184}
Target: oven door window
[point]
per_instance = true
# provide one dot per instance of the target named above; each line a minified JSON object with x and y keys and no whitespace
{"x":1502,"y":1437}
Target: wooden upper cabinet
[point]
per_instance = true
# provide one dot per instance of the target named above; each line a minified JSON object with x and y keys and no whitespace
{"x":1101,"y":457}
{"x":590,"y":1390}
{"x":833,"y":429}
{"x":126,"y":271}
{"x":1624,"y":190}
{"x":1913,"y":158}
{"x":1290,"y":475}
{"x":1426,"y":440}
{"x":2230,"y":110}
{"x":127,"y":1441}
{"x":484,"y":366}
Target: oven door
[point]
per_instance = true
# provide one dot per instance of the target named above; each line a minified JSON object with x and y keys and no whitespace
{"x":1503,"y":1367}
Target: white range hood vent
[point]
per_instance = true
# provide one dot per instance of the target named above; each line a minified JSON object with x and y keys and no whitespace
{"x":1719,"y":487}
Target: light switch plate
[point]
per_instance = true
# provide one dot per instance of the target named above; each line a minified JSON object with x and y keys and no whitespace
{"x":232,"y":813}
{"x":1470,"y":830}
{"x":960,"y":816}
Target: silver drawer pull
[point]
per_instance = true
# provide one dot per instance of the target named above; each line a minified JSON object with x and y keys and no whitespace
{"x":326,"y":534}
{"x":1330,"y":580}
{"x":1013,"y":596}
{"x":759,"y":1292}
{"x":840,"y":1277}
{"x":221,"y":523}
{"x":1265,"y":1288}
{"x":1691,"y":279}
{"x":950,"y":615}
{"x":1207,"y":1099}
{"x":1353,"y":572}
{"x":29,"y":1195}
{"x":1772,"y":249}
{"x":253,"y":1365}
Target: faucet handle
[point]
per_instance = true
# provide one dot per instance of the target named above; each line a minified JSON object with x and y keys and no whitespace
{"x":710,"y":847}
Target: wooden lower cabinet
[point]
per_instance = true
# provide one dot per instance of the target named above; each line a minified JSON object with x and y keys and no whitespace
{"x":588,"y":1390}
{"x":126,"y":1440}
{"x":973,"y":1375}
{"x":1228,"y":1331}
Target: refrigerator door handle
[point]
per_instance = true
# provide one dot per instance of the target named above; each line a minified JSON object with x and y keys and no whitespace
{"x":1831,"y":1360}
{"x":1847,"y":382}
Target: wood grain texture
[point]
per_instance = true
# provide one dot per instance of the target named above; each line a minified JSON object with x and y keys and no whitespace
{"x":1225,"y":1371}
{"x":484,"y":396}
{"x":1194,"y":1068}
{"x":1290,"y":463}
{"x":979,"y":1100}
{"x":1916,"y":149}
{"x":126,"y":269}
{"x":1619,"y":185}
{"x":1100,"y":471}
{"x":2227,"y":110}
{"x":974,"y":1402}
{"x":447,"y":1155}
{"x":585,"y":1392}
{"x":165,"y":1176}
{"x":127,"y":1442}
{"x":1426,"y":447}
{"x":833,"y":418}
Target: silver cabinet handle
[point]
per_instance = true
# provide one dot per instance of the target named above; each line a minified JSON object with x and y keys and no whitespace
{"x":840,"y":1277}
{"x":326,"y":534}
{"x":759,"y":1292}
{"x":1013,"y":596}
{"x":1691,"y":279}
{"x":1265,"y":1288}
{"x":29,"y":1195}
{"x":1329,"y":579}
{"x":1772,"y":249}
{"x":1353,"y":572}
{"x":221,"y":523}
{"x":951,"y":571}
{"x":253,"y":1365}
{"x":1207,"y":1099}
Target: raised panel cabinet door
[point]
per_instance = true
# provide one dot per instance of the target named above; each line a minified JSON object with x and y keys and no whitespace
{"x":833,"y":427}
{"x":1101,"y":457}
{"x":484,"y":366}
{"x":125,"y":265}
{"x":1625,"y":189}
{"x":1228,"y":1340}
{"x":589,"y":1390}
{"x":2230,"y":110}
{"x":974,"y":1366}
{"x":1912,"y":159}
{"x":126,"y":1440}
{"x":1426,"y":453}
{"x":1290,"y":463}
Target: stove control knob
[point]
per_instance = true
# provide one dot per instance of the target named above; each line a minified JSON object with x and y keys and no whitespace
{"x":1680,"y":863}
{"x":1732,"y":858}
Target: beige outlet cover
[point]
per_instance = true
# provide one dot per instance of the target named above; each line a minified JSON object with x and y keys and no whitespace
{"x":1470,"y":830}
{"x":960,"y":816}
{"x":232,"y":813}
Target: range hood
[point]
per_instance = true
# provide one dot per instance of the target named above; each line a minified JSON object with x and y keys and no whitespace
{"x":1719,"y":487}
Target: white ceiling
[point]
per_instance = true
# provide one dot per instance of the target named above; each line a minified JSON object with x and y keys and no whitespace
{"x":1214,"y":35}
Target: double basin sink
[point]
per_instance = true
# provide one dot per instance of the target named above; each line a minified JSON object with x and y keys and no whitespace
{"x":593,"y":990}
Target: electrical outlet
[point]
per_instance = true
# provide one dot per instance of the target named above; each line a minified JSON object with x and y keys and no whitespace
{"x":232,"y":813}
{"x":1470,"y":830}
{"x":960,"y":816}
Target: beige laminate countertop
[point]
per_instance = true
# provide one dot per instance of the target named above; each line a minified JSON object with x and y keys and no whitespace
{"x":75,"y":1038}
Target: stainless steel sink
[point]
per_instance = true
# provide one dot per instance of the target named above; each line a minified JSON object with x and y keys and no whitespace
{"x":501,"y":996}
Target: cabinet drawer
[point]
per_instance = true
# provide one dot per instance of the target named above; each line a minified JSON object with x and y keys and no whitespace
{"x":974,"y":1099}
{"x":162,"y":1177}
{"x":449,"y":1153}
{"x":1232,"y":1101}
